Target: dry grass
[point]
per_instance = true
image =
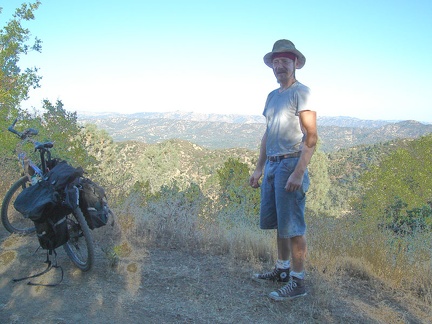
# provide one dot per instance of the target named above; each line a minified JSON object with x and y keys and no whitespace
{"x":337,"y":247}
{"x":362,"y":251}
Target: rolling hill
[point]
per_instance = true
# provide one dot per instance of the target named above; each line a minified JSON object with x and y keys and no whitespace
{"x":237,"y":131}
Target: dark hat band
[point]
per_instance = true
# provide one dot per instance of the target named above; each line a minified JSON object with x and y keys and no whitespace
{"x":289,"y":55}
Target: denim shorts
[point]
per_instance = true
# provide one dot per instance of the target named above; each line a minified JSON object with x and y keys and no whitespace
{"x":280,"y":209}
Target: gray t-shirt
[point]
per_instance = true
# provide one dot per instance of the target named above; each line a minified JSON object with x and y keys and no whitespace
{"x":284,"y":130}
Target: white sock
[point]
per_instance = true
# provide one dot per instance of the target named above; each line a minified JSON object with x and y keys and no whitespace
{"x":283,"y":264}
{"x":299,"y":275}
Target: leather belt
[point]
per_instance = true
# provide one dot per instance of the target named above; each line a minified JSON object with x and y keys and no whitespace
{"x":281,"y":157}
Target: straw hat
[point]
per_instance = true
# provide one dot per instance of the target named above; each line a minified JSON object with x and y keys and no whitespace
{"x":284,"y":45}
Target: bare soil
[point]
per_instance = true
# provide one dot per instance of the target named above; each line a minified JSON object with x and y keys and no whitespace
{"x":155,"y":285}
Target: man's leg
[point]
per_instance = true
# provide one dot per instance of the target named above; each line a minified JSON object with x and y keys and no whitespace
{"x":268,"y":220}
{"x":291,"y":223}
{"x":283,"y":246}
{"x":298,"y":251}
{"x":281,"y":271}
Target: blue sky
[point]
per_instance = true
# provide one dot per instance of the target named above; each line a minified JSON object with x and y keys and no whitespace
{"x":365,"y":59}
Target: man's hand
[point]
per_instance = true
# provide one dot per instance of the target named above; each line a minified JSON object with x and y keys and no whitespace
{"x":294,"y":182}
{"x":253,"y":180}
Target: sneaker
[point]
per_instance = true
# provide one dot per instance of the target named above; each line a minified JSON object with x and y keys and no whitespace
{"x":295,"y":288}
{"x":281,"y":275}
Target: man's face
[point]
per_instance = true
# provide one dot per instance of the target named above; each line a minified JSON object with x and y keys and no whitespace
{"x":283,"y":69}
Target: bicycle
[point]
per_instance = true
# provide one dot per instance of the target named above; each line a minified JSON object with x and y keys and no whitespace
{"x":79,"y":247}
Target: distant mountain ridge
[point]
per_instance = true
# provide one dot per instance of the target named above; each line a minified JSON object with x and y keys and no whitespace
{"x":179,"y":115}
{"x":245,"y":131}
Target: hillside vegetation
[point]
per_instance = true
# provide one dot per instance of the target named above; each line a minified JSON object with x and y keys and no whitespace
{"x":178,"y":194}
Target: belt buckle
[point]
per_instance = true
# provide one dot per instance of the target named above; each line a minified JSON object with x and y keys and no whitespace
{"x":275,"y":158}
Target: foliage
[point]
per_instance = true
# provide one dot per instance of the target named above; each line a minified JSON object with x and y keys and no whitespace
{"x":235,"y":192}
{"x":14,"y":83}
{"x":318,"y":194}
{"x":404,"y":221}
{"x":346,"y":166}
{"x":60,"y":126}
{"x":172,"y":216}
{"x":54,"y":124}
{"x":99,"y":147}
{"x":233,"y":179}
{"x":159,"y":164}
{"x":404,"y":173}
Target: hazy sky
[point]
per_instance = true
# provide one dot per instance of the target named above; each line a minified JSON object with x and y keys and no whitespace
{"x":368,"y":59}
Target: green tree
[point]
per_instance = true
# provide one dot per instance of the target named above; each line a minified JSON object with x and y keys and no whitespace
{"x":318,"y":194}
{"x":403,"y":175}
{"x":108,"y":163}
{"x":57,"y":124}
{"x":402,"y":221}
{"x":235,"y":190}
{"x":159,"y":164}
{"x":15,"y":83}
{"x":100,"y":148}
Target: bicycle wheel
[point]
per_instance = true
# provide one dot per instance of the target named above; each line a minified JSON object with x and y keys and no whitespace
{"x":79,"y":248}
{"x":13,"y":220}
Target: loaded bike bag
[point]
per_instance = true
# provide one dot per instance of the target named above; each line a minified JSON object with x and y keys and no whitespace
{"x":49,"y":196}
{"x":37,"y":200}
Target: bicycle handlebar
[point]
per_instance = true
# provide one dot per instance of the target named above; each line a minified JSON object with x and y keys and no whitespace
{"x":43,"y":148}
{"x":27,"y":133}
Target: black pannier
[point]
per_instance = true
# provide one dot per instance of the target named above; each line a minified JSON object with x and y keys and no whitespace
{"x":47,"y":203}
{"x":62,"y":175}
{"x":93,"y":203}
{"x":52,"y":232}
{"x":37,"y":200}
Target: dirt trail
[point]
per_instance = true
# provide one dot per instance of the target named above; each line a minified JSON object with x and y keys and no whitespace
{"x":160,"y":286}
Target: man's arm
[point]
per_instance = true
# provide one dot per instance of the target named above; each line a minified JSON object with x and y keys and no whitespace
{"x":308,"y":122}
{"x":253,"y":180}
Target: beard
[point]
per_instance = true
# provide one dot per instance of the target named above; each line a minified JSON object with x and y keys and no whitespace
{"x":283,"y":76}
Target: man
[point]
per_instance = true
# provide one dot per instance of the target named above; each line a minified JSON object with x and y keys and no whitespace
{"x":286,"y":150}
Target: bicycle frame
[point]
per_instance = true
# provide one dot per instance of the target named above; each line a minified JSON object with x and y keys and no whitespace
{"x":43,"y":148}
{"x":26,"y":164}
